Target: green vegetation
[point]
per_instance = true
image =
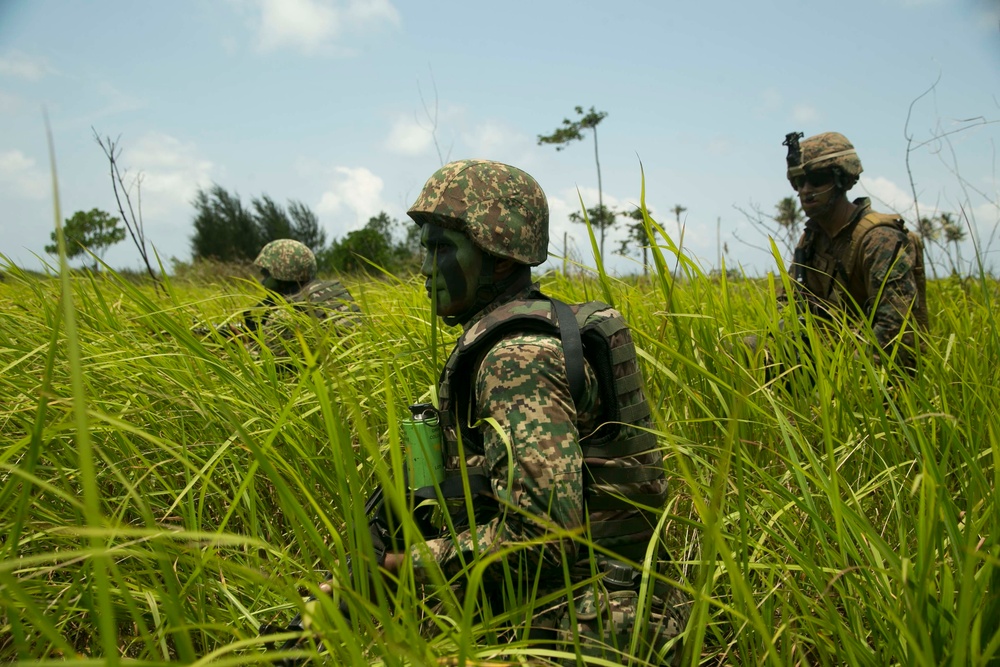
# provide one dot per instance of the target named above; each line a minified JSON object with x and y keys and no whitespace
{"x":94,"y":230}
{"x":225,"y":230}
{"x":161,"y":496}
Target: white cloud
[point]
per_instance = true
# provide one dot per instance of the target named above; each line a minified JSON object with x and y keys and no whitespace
{"x":19,"y":172}
{"x":23,"y":66}
{"x":577,"y":238}
{"x":887,"y":195}
{"x":364,"y":11}
{"x":487,"y":139}
{"x":171,"y":172}
{"x":313,"y":25}
{"x":408,"y":137}
{"x":356,"y":190}
{"x":804,"y":114}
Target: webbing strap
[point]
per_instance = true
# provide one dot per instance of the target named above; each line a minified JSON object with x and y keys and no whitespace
{"x":628,"y":383}
{"x":611,"y":326}
{"x":604,"y":529}
{"x":622,"y":353}
{"x":631,"y":414}
{"x":620,"y":475}
{"x":585,"y":310}
{"x":569,"y":332}
{"x":604,"y":502}
{"x":641,"y":442}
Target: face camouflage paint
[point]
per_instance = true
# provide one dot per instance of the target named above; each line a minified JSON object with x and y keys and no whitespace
{"x":452,"y":266}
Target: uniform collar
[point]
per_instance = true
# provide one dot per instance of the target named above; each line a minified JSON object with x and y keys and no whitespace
{"x":517,"y":295}
{"x":862,"y":207}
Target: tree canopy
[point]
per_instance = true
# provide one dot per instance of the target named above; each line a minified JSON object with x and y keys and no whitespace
{"x":570,"y":131}
{"x":94,"y":230}
{"x":377,"y":244}
{"x":226,"y":230}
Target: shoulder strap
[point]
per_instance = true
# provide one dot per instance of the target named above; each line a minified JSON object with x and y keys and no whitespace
{"x":865,"y":225}
{"x":569,"y":332}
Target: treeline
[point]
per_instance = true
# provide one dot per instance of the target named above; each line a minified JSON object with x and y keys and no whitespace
{"x":226,"y":230}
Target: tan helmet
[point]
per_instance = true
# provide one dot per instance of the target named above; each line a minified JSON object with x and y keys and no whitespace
{"x":500,"y":208}
{"x":288,"y":260}
{"x":830,"y":150}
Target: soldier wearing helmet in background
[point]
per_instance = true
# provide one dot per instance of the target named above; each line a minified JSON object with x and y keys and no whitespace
{"x":545,"y":403}
{"x":850,"y":259}
{"x":288,"y":272}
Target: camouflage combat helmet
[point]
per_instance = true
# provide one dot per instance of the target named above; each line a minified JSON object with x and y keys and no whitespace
{"x":826,"y":151}
{"x":287,"y":260}
{"x":500,"y":208}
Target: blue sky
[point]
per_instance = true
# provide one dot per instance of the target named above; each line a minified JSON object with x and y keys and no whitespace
{"x":320,"y":101}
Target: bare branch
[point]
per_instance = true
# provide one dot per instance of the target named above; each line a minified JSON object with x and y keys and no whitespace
{"x":432,"y":118}
{"x":133,"y":222}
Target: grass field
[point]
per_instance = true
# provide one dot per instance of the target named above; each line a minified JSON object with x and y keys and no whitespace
{"x":161,"y":495}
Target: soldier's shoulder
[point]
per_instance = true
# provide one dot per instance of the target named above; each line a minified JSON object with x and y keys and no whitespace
{"x":883,"y":236}
{"x":324,"y":290}
{"x":525,"y":348}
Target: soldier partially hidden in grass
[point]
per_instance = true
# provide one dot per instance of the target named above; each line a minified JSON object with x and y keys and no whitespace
{"x":546,"y":402}
{"x":288,"y":272}
{"x":851,"y":261}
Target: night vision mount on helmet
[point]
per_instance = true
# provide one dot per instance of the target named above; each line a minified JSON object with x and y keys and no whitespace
{"x":826,"y":151}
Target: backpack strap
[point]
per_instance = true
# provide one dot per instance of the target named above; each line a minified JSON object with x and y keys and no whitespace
{"x":569,"y":332}
{"x":871,"y":221}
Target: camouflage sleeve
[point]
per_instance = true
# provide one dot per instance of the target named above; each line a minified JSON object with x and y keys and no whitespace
{"x":533,"y":457}
{"x":891,"y":284}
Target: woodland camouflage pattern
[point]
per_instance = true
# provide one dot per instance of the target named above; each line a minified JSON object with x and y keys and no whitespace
{"x":885,"y":264}
{"x":521,"y":385}
{"x":500,"y":208}
{"x":825,"y":151}
{"x":288,"y":260}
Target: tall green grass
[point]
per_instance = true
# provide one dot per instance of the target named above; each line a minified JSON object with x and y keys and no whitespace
{"x":163,"y":495}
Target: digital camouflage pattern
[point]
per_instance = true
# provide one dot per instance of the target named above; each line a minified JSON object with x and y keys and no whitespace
{"x":825,"y":151}
{"x":501,"y":208}
{"x":606,"y":622}
{"x":522,"y":388}
{"x":322,"y":307}
{"x":288,"y":260}
{"x":883,"y":284}
{"x":526,"y":391}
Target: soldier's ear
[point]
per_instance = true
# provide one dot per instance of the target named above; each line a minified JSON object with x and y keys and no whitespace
{"x":503,"y":267}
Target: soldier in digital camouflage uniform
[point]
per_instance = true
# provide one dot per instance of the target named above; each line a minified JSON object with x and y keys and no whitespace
{"x":288,"y":270}
{"x":850,"y":259}
{"x":557,"y":438}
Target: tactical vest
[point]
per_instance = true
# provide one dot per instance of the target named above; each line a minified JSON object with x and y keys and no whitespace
{"x":621,"y":462}
{"x":844,"y":284}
